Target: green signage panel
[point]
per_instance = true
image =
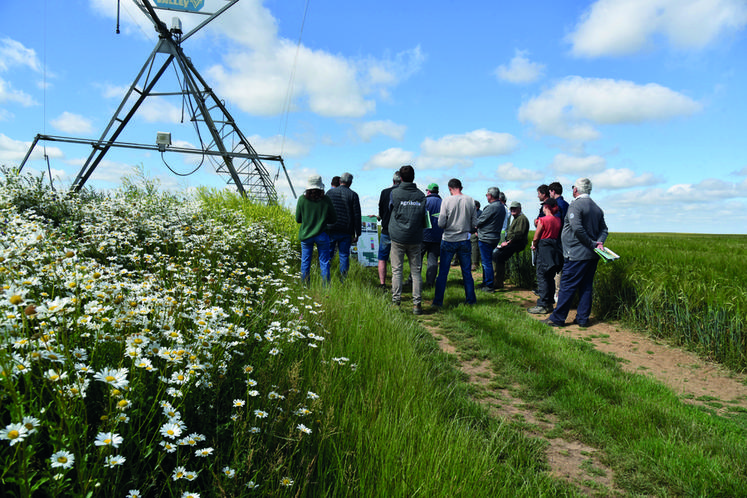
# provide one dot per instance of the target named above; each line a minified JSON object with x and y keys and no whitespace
{"x":186,"y":5}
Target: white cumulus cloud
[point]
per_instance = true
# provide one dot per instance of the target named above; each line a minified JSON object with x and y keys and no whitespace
{"x":391,"y":158}
{"x":72,"y":123}
{"x":13,"y":151}
{"x":388,"y":128}
{"x":477,"y":143}
{"x":520,"y":70}
{"x":622,"y":27}
{"x":13,"y":53}
{"x":159,"y":110}
{"x":8,"y":94}
{"x":572,"y":108}
{"x":508,"y":172}
{"x":563,"y":163}
{"x":622,"y":178}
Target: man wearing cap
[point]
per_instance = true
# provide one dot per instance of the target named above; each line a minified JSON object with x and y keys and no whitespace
{"x":385,"y":243}
{"x":347,"y":229}
{"x":432,"y":236}
{"x":489,"y":225}
{"x":406,"y":225}
{"x":457,"y":218}
{"x":516,"y":241}
{"x":583,"y":231}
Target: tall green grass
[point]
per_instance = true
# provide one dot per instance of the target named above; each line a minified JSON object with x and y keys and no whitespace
{"x":688,"y":288}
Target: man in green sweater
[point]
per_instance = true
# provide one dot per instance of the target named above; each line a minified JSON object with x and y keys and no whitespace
{"x":516,"y":241}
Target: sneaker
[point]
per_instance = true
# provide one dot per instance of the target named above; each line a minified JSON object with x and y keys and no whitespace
{"x":582,"y":325}
{"x":487,"y":289}
{"x":417,"y":310}
{"x":538,"y":310}
{"x":550,"y":323}
{"x":436,"y":307}
{"x":383,"y":287}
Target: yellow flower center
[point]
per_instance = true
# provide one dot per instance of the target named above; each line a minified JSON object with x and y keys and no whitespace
{"x":13,"y":434}
{"x":62,"y":459}
{"x":109,"y":378}
{"x":107,"y":441}
{"x":16,"y":299}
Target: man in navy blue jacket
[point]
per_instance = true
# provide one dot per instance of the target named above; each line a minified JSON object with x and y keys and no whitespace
{"x":432,"y":236}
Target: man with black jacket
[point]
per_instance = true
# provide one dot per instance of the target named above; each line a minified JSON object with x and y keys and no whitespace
{"x":406,"y":224}
{"x":347,"y":229}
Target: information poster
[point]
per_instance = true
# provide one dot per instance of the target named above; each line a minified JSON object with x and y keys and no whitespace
{"x":367,"y":249}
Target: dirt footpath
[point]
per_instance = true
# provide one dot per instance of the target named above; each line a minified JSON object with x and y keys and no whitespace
{"x":696,"y":380}
{"x":693,"y":378}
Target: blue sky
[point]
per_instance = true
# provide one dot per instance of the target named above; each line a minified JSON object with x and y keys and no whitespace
{"x":647,"y":98}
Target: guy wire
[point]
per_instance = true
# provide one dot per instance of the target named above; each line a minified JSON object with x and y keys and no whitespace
{"x":289,"y":94}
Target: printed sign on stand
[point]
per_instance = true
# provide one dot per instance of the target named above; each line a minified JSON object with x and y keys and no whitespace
{"x":367,"y":249}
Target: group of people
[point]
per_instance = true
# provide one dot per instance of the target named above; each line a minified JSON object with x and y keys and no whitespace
{"x":425,"y":226}
{"x":331,"y":221}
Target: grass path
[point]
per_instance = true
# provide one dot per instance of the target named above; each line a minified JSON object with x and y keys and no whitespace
{"x":693,"y":379}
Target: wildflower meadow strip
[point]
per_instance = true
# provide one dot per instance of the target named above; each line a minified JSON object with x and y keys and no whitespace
{"x":148,"y":350}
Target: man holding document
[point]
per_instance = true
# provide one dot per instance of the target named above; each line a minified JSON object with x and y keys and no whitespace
{"x":584,"y":231}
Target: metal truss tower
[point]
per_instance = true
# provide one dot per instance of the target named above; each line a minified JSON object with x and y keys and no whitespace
{"x":221,"y":140}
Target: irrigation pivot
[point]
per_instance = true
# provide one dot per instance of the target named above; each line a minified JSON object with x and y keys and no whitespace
{"x":222,"y":143}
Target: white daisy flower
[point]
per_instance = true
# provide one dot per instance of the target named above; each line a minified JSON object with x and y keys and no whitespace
{"x":108,"y":439}
{"x":63,"y":459}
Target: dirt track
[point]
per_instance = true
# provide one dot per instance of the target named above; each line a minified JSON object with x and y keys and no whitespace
{"x":697,"y":381}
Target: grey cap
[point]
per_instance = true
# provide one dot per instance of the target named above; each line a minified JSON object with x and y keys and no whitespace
{"x":515,"y":205}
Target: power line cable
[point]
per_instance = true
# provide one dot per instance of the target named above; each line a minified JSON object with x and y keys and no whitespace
{"x":289,"y":93}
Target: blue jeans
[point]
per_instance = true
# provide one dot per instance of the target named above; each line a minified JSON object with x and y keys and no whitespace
{"x":486,"y":255}
{"x":342,"y":241}
{"x":385,"y":247}
{"x":463,"y":251}
{"x":577,"y":275}
{"x":307,"y":252}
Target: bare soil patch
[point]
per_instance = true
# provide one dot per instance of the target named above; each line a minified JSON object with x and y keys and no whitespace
{"x":696,"y":380}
